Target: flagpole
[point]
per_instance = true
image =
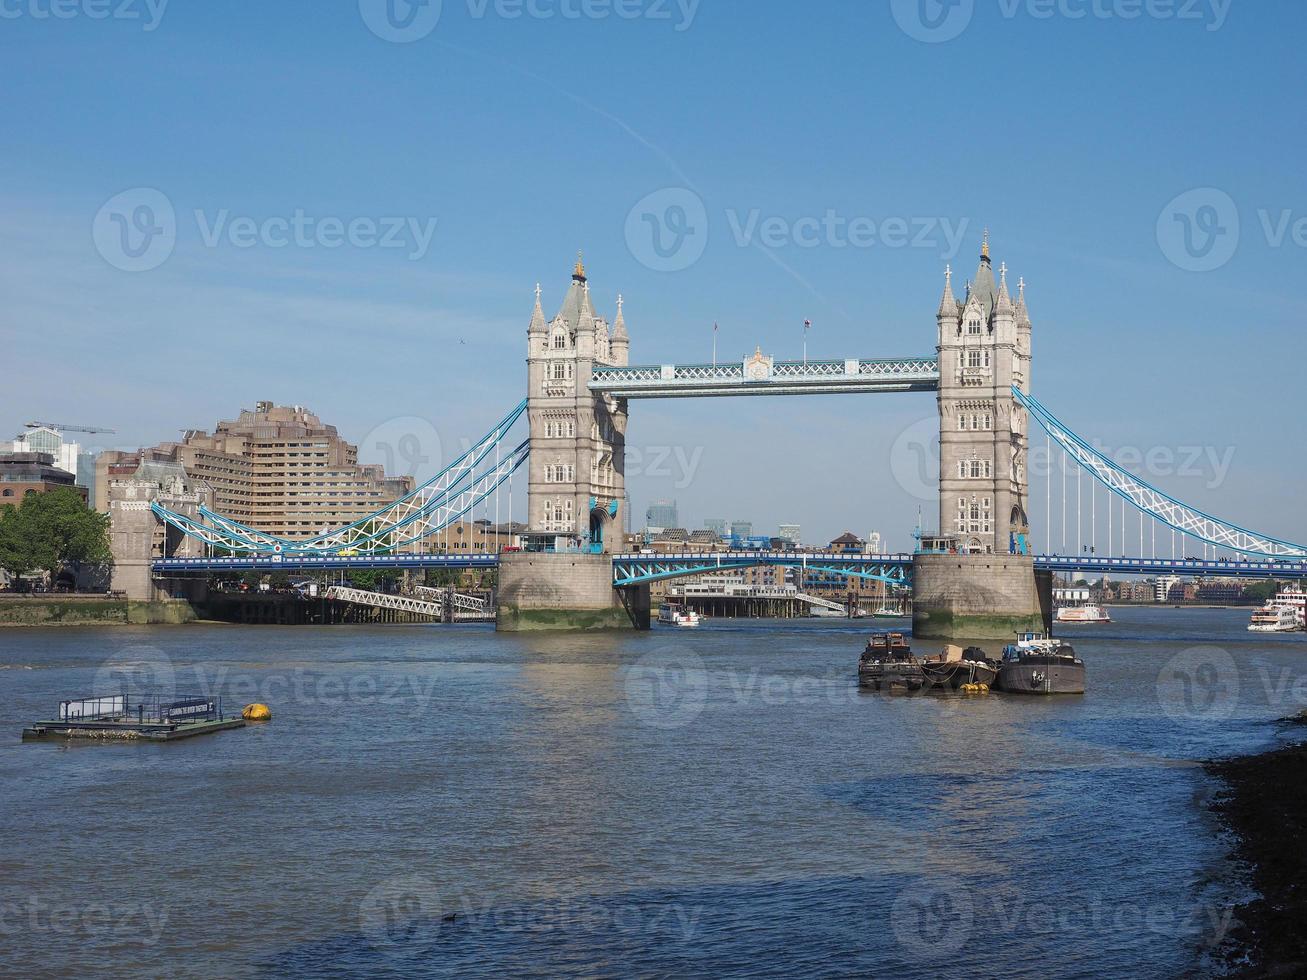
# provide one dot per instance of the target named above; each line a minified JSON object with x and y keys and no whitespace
{"x":806,"y":325}
{"x":714,"y":345}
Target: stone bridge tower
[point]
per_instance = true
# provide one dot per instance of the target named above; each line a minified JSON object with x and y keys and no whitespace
{"x":987,"y":589}
{"x":577,"y":479}
{"x":984,"y":349}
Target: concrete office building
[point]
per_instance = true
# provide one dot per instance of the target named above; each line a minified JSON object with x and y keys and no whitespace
{"x":277,"y":469}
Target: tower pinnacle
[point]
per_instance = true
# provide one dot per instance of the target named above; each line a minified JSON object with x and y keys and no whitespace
{"x":984,"y":246}
{"x":948,"y":306}
{"x":579,"y":272}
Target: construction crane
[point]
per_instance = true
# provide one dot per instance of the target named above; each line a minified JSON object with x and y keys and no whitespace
{"x":68,"y":428}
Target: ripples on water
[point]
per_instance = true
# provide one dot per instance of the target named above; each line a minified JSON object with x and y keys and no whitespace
{"x":437,"y":801}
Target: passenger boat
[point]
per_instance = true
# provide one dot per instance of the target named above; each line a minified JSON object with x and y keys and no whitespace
{"x":955,"y":668}
{"x":1089,"y":612}
{"x":887,"y":664}
{"x":675,"y":614}
{"x":1038,"y":664}
{"x":1286,"y":613}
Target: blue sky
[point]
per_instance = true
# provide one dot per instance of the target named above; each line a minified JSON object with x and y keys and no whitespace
{"x":526,"y":138}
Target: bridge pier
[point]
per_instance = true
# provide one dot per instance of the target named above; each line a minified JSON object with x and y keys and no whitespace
{"x":978,"y":597}
{"x":565,"y":591}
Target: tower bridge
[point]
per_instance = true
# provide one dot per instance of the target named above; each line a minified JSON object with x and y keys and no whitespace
{"x":978,"y":579}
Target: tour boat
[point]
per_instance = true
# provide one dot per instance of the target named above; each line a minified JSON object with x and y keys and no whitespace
{"x":1286,"y":613}
{"x":674,"y":614}
{"x":1088,"y":612}
{"x":1038,"y":664}
{"x":887,"y":664}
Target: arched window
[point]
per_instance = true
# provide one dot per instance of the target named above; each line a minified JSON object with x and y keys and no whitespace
{"x":560,"y":341}
{"x":7,"y":493}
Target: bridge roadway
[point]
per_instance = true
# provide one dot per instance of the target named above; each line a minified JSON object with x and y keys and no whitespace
{"x":633,"y":569}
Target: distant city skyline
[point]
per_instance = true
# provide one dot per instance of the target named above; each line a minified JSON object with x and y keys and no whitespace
{"x":1139,"y":334}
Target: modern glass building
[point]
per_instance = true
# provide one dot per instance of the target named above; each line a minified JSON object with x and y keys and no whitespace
{"x":662,"y":513}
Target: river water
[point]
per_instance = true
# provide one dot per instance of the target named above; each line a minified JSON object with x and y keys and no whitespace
{"x":445,"y":801}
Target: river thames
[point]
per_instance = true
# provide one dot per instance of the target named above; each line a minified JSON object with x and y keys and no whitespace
{"x":446,"y":801}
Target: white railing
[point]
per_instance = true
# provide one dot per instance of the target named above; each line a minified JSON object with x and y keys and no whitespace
{"x":381,"y":600}
{"x":462,"y":603}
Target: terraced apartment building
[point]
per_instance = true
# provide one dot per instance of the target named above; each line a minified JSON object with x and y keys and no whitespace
{"x":278,"y":469}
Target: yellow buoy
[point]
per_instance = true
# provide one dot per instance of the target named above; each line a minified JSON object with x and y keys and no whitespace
{"x":257,"y":712}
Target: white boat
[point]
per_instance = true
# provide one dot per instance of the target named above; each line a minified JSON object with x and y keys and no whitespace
{"x":1286,"y":613}
{"x":674,"y":614}
{"x":1088,"y":612}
